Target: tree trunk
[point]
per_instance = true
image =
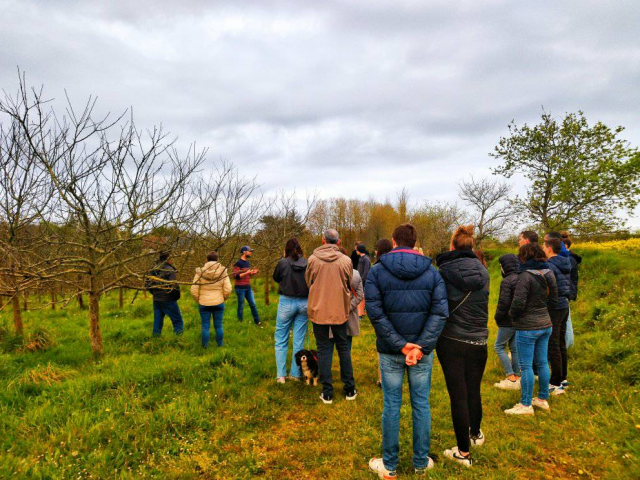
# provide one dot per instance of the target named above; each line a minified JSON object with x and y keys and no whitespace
{"x":25,"y":304}
{"x":53,"y":299}
{"x":17,"y":315}
{"x":266,"y":287}
{"x":121,"y":297}
{"x":81,"y":301}
{"x":144,"y":294}
{"x":94,"y":324}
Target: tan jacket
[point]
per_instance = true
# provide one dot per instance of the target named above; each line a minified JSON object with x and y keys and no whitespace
{"x":329,"y":275}
{"x":211,"y":285}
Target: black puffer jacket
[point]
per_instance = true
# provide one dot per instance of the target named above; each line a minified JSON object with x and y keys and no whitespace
{"x":575,"y":261}
{"x":164,"y":287}
{"x":561,"y":267}
{"x":289,"y":273}
{"x":536,"y":293}
{"x":467,"y":282}
{"x":510,"y":270}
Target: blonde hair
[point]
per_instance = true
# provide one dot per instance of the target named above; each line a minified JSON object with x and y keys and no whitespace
{"x":462,"y":238}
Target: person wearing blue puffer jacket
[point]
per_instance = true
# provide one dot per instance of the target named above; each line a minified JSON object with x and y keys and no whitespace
{"x":407,"y":304}
{"x":561,"y":267}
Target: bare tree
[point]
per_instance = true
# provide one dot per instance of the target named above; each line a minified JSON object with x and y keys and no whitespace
{"x":491,"y":208}
{"x":115,"y":185}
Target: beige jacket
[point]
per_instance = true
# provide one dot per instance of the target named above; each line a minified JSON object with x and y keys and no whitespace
{"x":328,"y":275}
{"x":211,"y":285}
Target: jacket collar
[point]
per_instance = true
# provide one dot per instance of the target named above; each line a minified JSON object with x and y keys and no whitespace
{"x":454,"y":255}
{"x":533,"y":265}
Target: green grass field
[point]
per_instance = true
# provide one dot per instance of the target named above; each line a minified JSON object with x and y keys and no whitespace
{"x":164,"y":408}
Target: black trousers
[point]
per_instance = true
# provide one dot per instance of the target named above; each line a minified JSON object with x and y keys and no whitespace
{"x":463,"y":366}
{"x":325,"y":357}
{"x":558,"y":346}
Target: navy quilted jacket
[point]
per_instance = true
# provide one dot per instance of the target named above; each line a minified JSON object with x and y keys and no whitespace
{"x":406,"y":301}
{"x":561,"y":267}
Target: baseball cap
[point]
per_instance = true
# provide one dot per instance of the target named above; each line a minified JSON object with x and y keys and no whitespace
{"x":246,"y":248}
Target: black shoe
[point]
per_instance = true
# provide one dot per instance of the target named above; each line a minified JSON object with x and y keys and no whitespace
{"x":351,"y":395}
{"x":326,"y":400}
{"x":258,"y":324}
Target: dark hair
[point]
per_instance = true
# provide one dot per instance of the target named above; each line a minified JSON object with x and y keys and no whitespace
{"x":405,"y":235}
{"x":362,"y":248}
{"x":530,"y":235}
{"x":383,"y":246}
{"x":343,"y":250}
{"x":462,"y":238}
{"x":554,"y":235}
{"x":566,"y":239}
{"x":481,"y":256}
{"x":531,"y":251}
{"x":293,"y":249}
{"x":212,"y":256}
{"x":555,"y":244}
{"x":164,"y":256}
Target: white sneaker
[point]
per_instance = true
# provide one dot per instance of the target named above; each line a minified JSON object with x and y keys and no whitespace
{"x":477,"y":441}
{"x":520,"y":409}
{"x":507,"y":384}
{"x":423,"y":471}
{"x":351,"y":395}
{"x":280,"y":380}
{"x":542,"y":404}
{"x":454,"y":454}
{"x":553,"y":390}
{"x":376,"y":465}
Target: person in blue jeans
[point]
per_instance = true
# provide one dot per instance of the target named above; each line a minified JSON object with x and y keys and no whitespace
{"x":161,"y":282}
{"x":407,"y":304}
{"x":210,"y":288}
{"x":536,"y":293}
{"x":510,"y":268}
{"x":292,"y":308}
{"x":243,"y":273}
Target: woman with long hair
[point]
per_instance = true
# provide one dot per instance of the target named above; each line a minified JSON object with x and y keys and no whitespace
{"x":292,"y":308}
{"x":383,"y":246}
{"x":462,"y":347}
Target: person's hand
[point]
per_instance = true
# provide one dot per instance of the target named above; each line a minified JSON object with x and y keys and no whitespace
{"x":414,"y":357}
{"x":409,"y":347}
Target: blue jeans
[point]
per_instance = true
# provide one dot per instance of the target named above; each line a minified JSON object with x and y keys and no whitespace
{"x":392,"y":368}
{"x":170,"y":309}
{"x":206,"y":312}
{"x":292,"y":314}
{"x":247,"y":293}
{"x":533,"y":346}
{"x":507,"y":336}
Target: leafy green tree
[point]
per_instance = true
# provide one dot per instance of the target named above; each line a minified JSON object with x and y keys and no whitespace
{"x":582,"y":176}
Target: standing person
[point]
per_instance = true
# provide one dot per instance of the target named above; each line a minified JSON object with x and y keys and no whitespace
{"x":536,"y":294}
{"x":407,"y":302}
{"x":211,"y":288}
{"x":357,"y":295}
{"x":292,"y":308}
{"x":576,"y":260}
{"x":462,"y":347}
{"x":166,"y":293}
{"x":510,"y":268}
{"x":528,"y":236}
{"x":328,"y":276}
{"x":355,"y":258}
{"x":561,"y":267}
{"x":243,"y":272}
{"x":383,"y":246}
{"x":364,"y":265}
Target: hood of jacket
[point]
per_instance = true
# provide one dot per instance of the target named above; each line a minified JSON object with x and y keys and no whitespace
{"x":405,"y":263}
{"x":563,"y":263}
{"x":510,"y":264}
{"x":328,"y":253}
{"x":576,"y":257}
{"x":211,"y":271}
{"x":298,"y":265}
{"x":534,"y":265}
{"x":462,"y":269}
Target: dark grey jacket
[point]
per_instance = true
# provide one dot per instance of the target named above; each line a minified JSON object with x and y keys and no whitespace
{"x":289,"y":273}
{"x":536,"y":293}
{"x":510,"y":270}
{"x":561,"y":267}
{"x":165,"y":289}
{"x":364,"y":265}
{"x":467,"y":282}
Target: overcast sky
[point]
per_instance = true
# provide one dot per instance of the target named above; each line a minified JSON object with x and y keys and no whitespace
{"x":349,"y":98}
